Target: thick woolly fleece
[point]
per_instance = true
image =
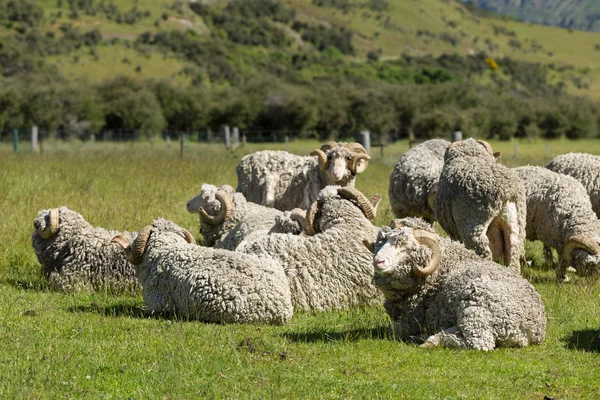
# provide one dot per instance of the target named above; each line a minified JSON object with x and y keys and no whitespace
{"x":210,"y":285}
{"x":415,"y":176}
{"x":247,"y":219}
{"x":467,"y":302}
{"x":331,"y":270}
{"x":559,"y":207}
{"x":286,"y":181}
{"x":583,"y":167}
{"x":473,"y":190}
{"x":82,"y":258}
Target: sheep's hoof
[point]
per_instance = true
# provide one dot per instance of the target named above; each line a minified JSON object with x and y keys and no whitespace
{"x":428,"y":345}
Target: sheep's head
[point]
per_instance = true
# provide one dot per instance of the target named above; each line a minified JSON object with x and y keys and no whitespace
{"x":135,"y":251}
{"x":335,"y":193}
{"x":583,"y":253}
{"x":215,"y":205}
{"x":48,"y":222}
{"x":471,"y":148}
{"x":340,"y":162}
{"x":406,"y":250}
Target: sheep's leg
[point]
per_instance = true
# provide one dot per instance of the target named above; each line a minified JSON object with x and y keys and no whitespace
{"x":473,"y":322}
{"x":548,"y":256}
{"x":561,"y":269}
{"x":450,"y":337}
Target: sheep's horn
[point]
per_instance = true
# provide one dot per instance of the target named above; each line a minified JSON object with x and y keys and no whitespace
{"x":580,"y":242}
{"x":353,"y":163}
{"x":356,"y":147}
{"x":120,"y":240}
{"x":328,"y":145}
{"x":189,"y":237}
{"x":369,"y":246}
{"x":138,"y":247}
{"x":430,"y":240}
{"x":497,"y":155}
{"x":375,"y":200}
{"x":322,"y":157}
{"x":299,"y":215}
{"x":311,"y":215}
{"x":224,"y":213}
{"x":488,"y":147}
{"x":52,"y":226}
{"x":367,"y":208}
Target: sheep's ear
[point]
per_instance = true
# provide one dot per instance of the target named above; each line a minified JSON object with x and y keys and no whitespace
{"x":370,"y":246}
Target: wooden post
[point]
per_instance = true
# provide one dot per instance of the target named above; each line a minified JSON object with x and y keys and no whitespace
{"x":287,"y":143}
{"x":236,"y":136}
{"x":547,"y":150}
{"x":381,"y":146}
{"x":456,"y":136}
{"x":16,"y":140}
{"x":34,"y":138}
{"x":365,"y":138}
{"x":227,"y":137}
{"x":181,"y":145}
{"x":209,"y":135}
{"x":168,"y":140}
{"x":93,"y":138}
{"x":243,"y":139}
{"x":516,"y":154}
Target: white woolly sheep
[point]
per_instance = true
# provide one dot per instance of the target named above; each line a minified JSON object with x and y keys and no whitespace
{"x":437,"y":288}
{"x":482,"y":203}
{"x":413,"y":184}
{"x":560,"y":214}
{"x":226,"y":218}
{"x":75,"y":256}
{"x":210,"y":285}
{"x":583,"y":167}
{"x":286,"y":181}
{"x":331,"y":269}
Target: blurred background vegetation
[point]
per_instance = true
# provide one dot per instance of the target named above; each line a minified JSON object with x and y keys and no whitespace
{"x":315,"y":68}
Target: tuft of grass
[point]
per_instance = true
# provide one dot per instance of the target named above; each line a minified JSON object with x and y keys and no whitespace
{"x":96,"y":345}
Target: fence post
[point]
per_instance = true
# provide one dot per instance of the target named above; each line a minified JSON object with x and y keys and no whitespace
{"x":456,"y":136}
{"x":516,"y":154}
{"x":547,"y":150}
{"x":227,"y":137}
{"x":16,"y":140}
{"x":287,"y":143}
{"x":168,"y":140}
{"x":243,"y":139}
{"x":365,"y":138}
{"x":93,"y":138}
{"x":236,"y":136}
{"x":181,"y":145}
{"x":34,"y":138}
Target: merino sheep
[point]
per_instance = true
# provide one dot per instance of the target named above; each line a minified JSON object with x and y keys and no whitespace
{"x":226,"y":218}
{"x":75,"y":256}
{"x":413,"y":184}
{"x":560,"y":214}
{"x":211,"y":285}
{"x":286,"y":181}
{"x":482,"y":203}
{"x":329,"y":269}
{"x":438,"y":288}
{"x":583,"y":167}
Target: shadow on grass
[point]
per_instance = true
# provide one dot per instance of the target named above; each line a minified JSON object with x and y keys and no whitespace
{"x":21,"y":284}
{"x":351,"y":335}
{"x":586,"y":339}
{"x":114,"y":310}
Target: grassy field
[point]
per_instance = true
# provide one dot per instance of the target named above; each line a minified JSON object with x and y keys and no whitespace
{"x":55,"y":345}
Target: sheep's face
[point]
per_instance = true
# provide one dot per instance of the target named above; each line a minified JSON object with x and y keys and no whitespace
{"x":585,"y":263}
{"x":206,"y":199}
{"x":339,"y":170}
{"x":392,"y":249}
{"x":468,"y":148}
{"x":341,"y":162}
{"x":68,"y":220}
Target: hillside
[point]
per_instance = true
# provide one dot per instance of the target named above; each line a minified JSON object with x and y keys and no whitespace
{"x":573,"y":14}
{"x":312,"y":67}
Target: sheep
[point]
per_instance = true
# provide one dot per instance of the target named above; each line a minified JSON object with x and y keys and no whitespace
{"x":583,"y":167}
{"x":560,"y":214}
{"x":226,"y":218}
{"x":286,"y":181}
{"x":482,"y":203}
{"x":75,"y":256}
{"x":328,"y":268}
{"x":437,"y":287}
{"x":413,"y":184}
{"x":210,"y":285}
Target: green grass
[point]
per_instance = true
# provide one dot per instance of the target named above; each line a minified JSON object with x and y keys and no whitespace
{"x":55,"y":345}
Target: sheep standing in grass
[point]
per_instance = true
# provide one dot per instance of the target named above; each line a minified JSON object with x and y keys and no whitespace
{"x":286,"y":181}
{"x":329,"y":269}
{"x":211,"y":285}
{"x":226,"y":218}
{"x":413,"y":184}
{"x":482,"y":203}
{"x":437,"y":288}
{"x":583,"y":167}
{"x":560,"y":214}
{"x":75,"y":256}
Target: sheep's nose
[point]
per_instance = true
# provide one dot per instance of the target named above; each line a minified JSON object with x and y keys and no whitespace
{"x":378,"y":261}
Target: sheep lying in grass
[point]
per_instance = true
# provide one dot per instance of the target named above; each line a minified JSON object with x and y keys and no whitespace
{"x":286,"y":181}
{"x":560,"y":214}
{"x":482,"y":203}
{"x":413,"y":184}
{"x":438,"y":288}
{"x":226,"y":218}
{"x":75,"y":256}
{"x":583,"y":167}
{"x":331,"y":269}
{"x":211,"y":285}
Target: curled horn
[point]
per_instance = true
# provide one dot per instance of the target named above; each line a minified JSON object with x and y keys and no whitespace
{"x":361,"y":154}
{"x":580,"y":242}
{"x":322,"y":157}
{"x":488,"y":147}
{"x":369,"y":246}
{"x":310,"y":219}
{"x":223,"y":215}
{"x":138,"y":247}
{"x":299,"y":215}
{"x":430,"y":240}
{"x":121,"y":241}
{"x":364,"y":204}
{"x":50,"y":231}
{"x":189,"y":237}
